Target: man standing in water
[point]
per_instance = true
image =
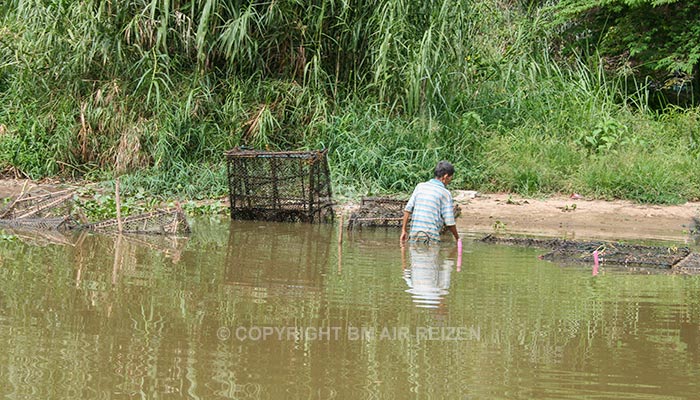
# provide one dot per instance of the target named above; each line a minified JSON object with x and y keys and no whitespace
{"x":430,"y":207}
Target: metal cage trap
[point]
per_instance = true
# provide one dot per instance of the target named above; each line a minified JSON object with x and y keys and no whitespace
{"x":612,"y":253}
{"x":382,"y":212}
{"x":159,"y":222}
{"x":290,"y":186}
{"x":38,"y":205}
{"x":377,"y":212}
{"x":53,"y":211}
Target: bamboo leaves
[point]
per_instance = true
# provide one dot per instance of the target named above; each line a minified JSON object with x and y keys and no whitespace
{"x":235,"y":39}
{"x":203,"y":28}
{"x":155,"y":78}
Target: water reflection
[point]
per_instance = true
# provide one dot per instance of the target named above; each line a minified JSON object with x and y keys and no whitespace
{"x":268,"y":253}
{"x":109,"y":317}
{"x":428,"y":278}
{"x":126,"y":250}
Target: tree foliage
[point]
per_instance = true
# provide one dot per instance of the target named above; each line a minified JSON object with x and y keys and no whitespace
{"x":647,"y":38}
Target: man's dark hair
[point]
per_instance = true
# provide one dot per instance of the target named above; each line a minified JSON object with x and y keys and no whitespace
{"x":444,"y":167}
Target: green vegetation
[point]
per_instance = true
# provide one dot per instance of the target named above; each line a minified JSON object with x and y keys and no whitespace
{"x":7,"y":237}
{"x":657,"y":39}
{"x":97,"y":205}
{"x":155,"y":91}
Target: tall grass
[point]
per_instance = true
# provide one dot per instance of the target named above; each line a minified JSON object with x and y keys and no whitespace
{"x":156,"y":90}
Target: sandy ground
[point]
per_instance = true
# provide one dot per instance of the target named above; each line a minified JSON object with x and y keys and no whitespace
{"x":559,"y":217}
{"x":569,"y":218}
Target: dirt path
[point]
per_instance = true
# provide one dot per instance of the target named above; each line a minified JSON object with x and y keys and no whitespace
{"x":564,"y":217}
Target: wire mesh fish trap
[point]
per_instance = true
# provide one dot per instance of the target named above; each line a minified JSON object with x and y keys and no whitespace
{"x":159,"y":222}
{"x":65,"y":223}
{"x":382,"y":212}
{"x":610,"y":252}
{"x":377,"y":212}
{"x":279,"y":186}
{"x":622,"y":254}
{"x":689,"y":264}
{"x":39,"y":205}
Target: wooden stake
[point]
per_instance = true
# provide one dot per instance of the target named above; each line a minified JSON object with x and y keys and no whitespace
{"x":340,"y":230}
{"x":119,"y":205}
{"x":340,"y":258}
{"x":117,"y":258}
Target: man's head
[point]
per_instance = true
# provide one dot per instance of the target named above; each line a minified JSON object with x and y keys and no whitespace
{"x":444,"y":168}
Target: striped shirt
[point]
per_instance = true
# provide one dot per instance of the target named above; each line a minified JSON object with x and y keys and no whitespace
{"x":431,"y":207}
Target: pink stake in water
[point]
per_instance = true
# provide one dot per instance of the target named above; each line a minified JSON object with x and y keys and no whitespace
{"x":459,"y":254}
{"x":595,"y":262}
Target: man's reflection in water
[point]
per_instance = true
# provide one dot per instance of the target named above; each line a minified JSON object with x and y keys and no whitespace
{"x":427,"y":278}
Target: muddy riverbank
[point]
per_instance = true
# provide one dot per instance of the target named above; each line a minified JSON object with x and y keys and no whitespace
{"x":573,"y":218}
{"x":577,"y":218}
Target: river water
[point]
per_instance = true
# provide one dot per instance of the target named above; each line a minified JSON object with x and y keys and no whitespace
{"x":249,"y":310}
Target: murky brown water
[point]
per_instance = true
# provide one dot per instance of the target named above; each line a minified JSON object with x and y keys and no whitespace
{"x":260,"y":311}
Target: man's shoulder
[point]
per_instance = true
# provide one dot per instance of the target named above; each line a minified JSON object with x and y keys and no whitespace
{"x":424,"y":186}
{"x":436,"y":186}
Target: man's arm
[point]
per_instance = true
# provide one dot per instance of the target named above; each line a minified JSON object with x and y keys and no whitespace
{"x":404,"y":226}
{"x":453,"y":229}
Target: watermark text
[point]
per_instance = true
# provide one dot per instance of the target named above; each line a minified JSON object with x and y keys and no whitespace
{"x":329,"y":333}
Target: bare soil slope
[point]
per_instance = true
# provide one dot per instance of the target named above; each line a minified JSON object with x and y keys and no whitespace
{"x":566,"y":217}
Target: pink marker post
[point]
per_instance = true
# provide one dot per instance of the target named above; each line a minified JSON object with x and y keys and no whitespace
{"x":595,"y":262}
{"x":459,"y":254}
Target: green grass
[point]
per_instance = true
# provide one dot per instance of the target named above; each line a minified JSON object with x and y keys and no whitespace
{"x":156,"y":92}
